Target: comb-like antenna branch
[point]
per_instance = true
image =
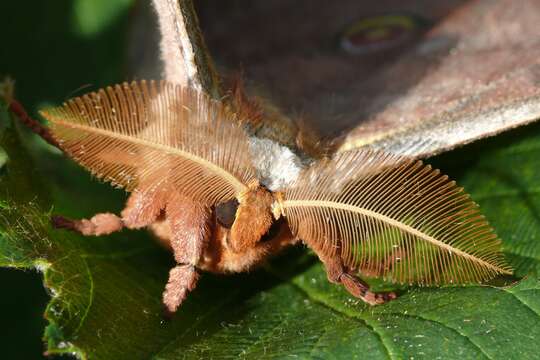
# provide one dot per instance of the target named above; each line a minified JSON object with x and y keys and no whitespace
{"x":148,"y":132}
{"x":371,"y":208}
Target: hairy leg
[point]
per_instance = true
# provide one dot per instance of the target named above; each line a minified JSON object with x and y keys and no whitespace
{"x":143,"y":208}
{"x":182,"y":280}
{"x":190,"y":228}
{"x":100,"y":224}
{"x":189,"y":225}
{"x":338,"y":274}
{"x":187,"y":232}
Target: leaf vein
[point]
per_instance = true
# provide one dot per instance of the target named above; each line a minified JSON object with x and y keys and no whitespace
{"x":91,"y":296}
{"x":199,"y":320}
{"x":446,"y":326}
{"x":266,"y":334}
{"x":387,"y":348}
{"x":520,"y":300}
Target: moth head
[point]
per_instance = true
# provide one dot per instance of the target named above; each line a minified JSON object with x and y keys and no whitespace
{"x":249,"y":217}
{"x":246,"y":233}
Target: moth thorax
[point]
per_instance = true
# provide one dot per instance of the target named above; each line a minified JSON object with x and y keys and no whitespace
{"x":277,"y":166}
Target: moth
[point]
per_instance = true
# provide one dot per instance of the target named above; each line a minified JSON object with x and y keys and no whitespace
{"x":225,"y":199}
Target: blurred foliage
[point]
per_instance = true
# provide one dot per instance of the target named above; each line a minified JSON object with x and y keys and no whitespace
{"x":106,"y":291}
{"x":92,"y":16}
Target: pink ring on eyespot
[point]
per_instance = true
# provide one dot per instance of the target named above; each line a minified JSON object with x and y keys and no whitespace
{"x":382,"y":32}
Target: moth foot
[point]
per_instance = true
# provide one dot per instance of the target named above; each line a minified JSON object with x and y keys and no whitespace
{"x":100,"y":224}
{"x":60,"y":222}
{"x":182,"y":280}
{"x":360,"y":289}
{"x":166,"y":313}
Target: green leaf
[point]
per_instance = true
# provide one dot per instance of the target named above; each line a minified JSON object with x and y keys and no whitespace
{"x":106,"y":292}
{"x":91,"y":16}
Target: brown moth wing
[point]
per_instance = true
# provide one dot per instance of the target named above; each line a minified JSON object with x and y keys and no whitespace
{"x":187,"y":60}
{"x":487,"y":82}
{"x":473,"y":74}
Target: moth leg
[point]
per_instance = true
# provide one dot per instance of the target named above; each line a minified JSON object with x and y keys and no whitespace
{"x":189,"y":223}
{"x":360,"y":289}
{"x":100,"y":224}
{"x":338,"y":274}
{"x":143,"y":207}
{"x":182,"y":280}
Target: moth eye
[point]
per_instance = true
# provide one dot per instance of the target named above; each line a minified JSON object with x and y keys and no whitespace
{"x":226,"y":213}
{"x":381,"y":32}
